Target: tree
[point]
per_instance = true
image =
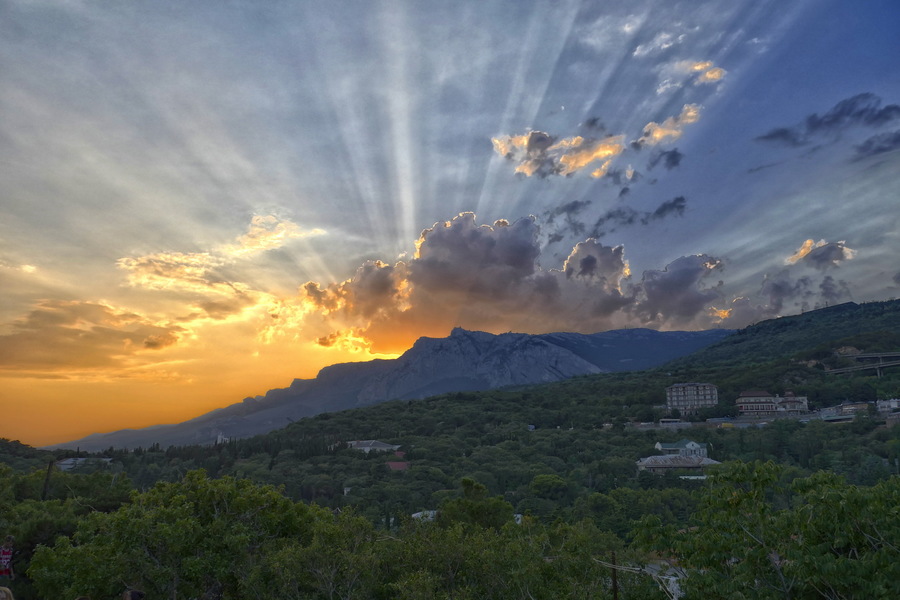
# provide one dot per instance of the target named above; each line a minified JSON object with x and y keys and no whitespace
{"x":476,"y":508}
{"x":759,"y":535}
{"x":195,"y":538}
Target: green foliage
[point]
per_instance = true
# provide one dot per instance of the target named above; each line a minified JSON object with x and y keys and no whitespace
{"x":475,"y":508}
{"x":227,"y":538}
{"x":37,"y":507}
{"x":21,"y":457}
{"x":192,"y":539}
{"x":758,"y":534}
{"x":562,"y":454}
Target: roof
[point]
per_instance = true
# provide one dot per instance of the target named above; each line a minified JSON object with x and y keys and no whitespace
{"x":676,"y":461}
{"x":679,"y":444}
{"x":371,"y":445}
{"x":398,"y":466}
{"x":675,"y":385}
{"x":67,"y":464}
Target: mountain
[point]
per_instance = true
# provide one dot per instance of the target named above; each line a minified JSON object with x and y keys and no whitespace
{"x":464,"y":361}
{"x":834,"y":326}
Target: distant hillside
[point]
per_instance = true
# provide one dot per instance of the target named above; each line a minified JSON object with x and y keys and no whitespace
{"x":788,"y":336}
{"x":464,"y":361}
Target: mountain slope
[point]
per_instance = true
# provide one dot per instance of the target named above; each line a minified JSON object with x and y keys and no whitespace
{"x":464,"y":361}
{"x":786,"y":336}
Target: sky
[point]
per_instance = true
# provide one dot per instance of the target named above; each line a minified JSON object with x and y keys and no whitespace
{"x":201,"y":201}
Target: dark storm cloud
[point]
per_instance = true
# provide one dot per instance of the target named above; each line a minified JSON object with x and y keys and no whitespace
{"x":781,"y":288}
{"x":822,"y":255}
{"x":879,"y":144}
{"x":592,"y":260}
{"x":613,"y":219}
{"x":567,"y":210}
{"x":625,"y":215}
{"x":784,"y":136}
{"x":675,"y":207}
{"x":623,"y":177}
{"x":675,"y":294}
{"x":831,"y":291}
{"x":478,"y":277}
{"x":860,"y":110}
{"x":594,"y":124}
{"x":669,"y":158}
{"x":448,"y":252}
{"x":896,"y":278}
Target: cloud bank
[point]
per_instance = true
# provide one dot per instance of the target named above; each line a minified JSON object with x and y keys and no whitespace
{"x":488,"y":277}
{"x":861,"y":110}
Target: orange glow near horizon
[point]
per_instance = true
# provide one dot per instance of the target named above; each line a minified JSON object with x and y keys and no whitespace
{"x":65,"y":406}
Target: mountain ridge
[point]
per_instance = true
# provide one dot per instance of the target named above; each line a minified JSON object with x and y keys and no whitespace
{"x":463,"y":361}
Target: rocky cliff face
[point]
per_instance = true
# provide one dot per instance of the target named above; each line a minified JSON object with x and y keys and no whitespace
{"x":464,"y":361}
{"x":474,"y":360}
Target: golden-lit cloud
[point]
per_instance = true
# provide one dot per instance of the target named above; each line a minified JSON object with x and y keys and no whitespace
{"x":207,"y":276}
{"x":539,"y":153}
{"x":487,"y":277}
{"x":167,"y":270}
{"x":711,"y":75}
{"x":705,"y":70}
{"x":507,"y":145}
{"x":602,"y":150}
{"x":71,"y":336}
{"x":670,"y":129}
{"x":821,"y":255}
{"x":676,"y":75}
{"x":265,"y":233}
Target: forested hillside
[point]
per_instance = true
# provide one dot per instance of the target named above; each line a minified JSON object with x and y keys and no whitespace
{"x":336,"y":521}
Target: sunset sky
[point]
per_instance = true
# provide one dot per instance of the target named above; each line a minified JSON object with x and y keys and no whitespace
{"x":200,"y":201}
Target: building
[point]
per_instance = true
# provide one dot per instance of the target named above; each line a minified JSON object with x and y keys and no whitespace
{"x":763,"y":404}
{"x":371,"y":446}
{"x":68,"y":464}
{"x":674,"y":462}
{"x":689,"y":398}
{"x":682,"y":448}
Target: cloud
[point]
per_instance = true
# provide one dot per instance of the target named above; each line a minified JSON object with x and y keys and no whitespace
{"x":785,"y":136}
{"x":831,"y":291}
{"x":675,"y":75}
{"x":782,"y":288}
{"x":669,"y":130}
{"x":879,"y":144}
{"x":538,"y":153}
{"x":165,"y":270}
{"x":488,"y":278}
{"x":785,"y":291}
{"x":669,"y":158}
{"x":568,"y":210}
{"x":266,"y":233}
{"x":624,"y":216}
{"x":821,"y":255}
{"x":205,"y":275}
{"x":675,"y":295}
{"x":660,"y":42}
{"x":65,"y":336}
{"x":675,"y":207}
{"x":860,"y":110}
{"x":711,"y":75}
{"x":541,"y":154}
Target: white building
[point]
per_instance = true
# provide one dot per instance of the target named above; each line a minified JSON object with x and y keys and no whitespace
{"x":764,"y":404}
{"x":688,"y":398}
